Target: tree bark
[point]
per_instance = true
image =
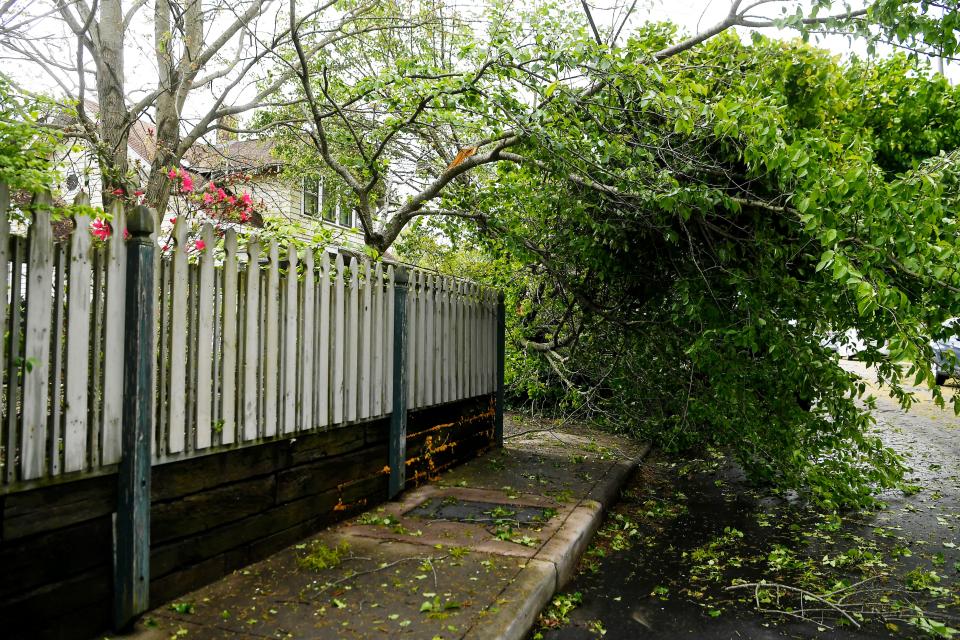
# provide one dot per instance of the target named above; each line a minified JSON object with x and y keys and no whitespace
{"x":114,"y":120}
{"x":167,"y":112}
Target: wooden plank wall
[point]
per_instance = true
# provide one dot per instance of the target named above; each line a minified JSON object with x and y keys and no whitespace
{"x":210,"y":514}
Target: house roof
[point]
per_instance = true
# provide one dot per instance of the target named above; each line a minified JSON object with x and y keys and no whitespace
{"x":142,"y":140}
{"x":235,"y":155}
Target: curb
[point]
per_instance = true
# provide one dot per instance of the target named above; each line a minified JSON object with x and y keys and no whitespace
{"x":555,"y":563}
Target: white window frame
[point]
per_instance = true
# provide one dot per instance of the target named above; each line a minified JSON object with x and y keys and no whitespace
{"x":316,"y":195}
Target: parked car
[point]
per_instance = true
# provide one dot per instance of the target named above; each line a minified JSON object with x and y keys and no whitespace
{"x":947,"y":366}
{"x":847,"y":344}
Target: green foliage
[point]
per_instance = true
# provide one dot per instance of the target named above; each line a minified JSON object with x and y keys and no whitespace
{"x":558,"y":612}
{"x":320,"y":557}
{"x":677,"y":237}
{"x":26,"y":148}
{"x":748,"y":209}
{"x":182,"y":607}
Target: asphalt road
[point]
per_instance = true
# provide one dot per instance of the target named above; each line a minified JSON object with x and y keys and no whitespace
{"x":687,"y":529}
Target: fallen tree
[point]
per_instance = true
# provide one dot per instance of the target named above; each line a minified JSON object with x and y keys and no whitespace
{"x":679,"y":222}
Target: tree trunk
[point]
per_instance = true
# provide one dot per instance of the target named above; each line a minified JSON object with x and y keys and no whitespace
{"x":175,"y":79}
{"x":114,"y":120}
{"x":167,"y":113}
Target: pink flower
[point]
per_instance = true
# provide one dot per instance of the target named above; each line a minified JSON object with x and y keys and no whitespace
{"x":100,"y":229}
{"x":126,"y":234}
{"x":231,"y":200}
{"x":172,"y":174}
{"x":166,"y":247}
{"x":221,"y":194}
{"x":118,"y":192}
{"x":246,"y":198}
{"x":187,"y":184}
{"x":138,"y":192}
{"x":173,"y":219}
{"x":208,"y":198}
{"x":244,"y":216}
{"x":199,"y":245}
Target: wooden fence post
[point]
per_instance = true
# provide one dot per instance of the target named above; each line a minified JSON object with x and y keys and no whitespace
{"x":501,"y":339}
{"x":132,"y":536}
{"x":398,"y":420}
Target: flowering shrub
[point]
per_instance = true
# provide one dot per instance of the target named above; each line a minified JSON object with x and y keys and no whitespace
{"x":215,"y":201}
{"x":221,"y":203}
{"x":100,"y":229}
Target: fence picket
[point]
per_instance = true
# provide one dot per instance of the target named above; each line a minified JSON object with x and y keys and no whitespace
{"x":388,"y":344}
{"x":474,"y":350}
{"x":204,"y":346}
{"x":461,"y":352}
{"x":485,"y":342}
{"x":4,"y":274}
{"x":7,"y":463}
{"x":251,"y":339}
{"x":365,"y":347}
{"x":423,"y":377}
{"x":448,"y":329}
{"x":78,"y":341}
{"x":438,"y":341}
{"x":377,"y":347}
{"x":113,"y":336}
{"x":290,"y":345}
{"x":338,"y":343}
{"x":351,"y":369}
{"x":478,"y":340}
{"x":428,"y":344}
{"x":413,"y":292}
{"x":178,"y":341}
{"x":95,"y":426}
{"x":54,"y":423}
{"x":36,"y":352}
{"x":323,"y":350}
{"x":492,"y":343}
{"x":465,"y":341}
{"x":271,"y":352}
{"x":471,"y":342}
{"x":156,"y":364}
{"x":307,"y":353}
{"x":463,"y":338}
{"x":228,"y":411}
{"x":14,"y":367}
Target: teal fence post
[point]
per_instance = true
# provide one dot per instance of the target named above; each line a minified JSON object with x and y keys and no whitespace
{"x":131,"y":563}
{"x":501,"y":359}
{"x":398,"y":418}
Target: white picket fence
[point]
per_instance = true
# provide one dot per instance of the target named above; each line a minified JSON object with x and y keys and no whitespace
{"x":251,"y":345}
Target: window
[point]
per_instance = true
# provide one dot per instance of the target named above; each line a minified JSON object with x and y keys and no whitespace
{"x":324,"y":200}
{"x":329,"y":204}
{"x":334,"y":206}
{"x":311,"y":197}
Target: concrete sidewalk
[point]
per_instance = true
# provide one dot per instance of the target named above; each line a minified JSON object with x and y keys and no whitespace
{"x":475,"y":554}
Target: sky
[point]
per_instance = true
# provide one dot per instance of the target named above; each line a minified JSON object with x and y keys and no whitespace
{"x":691,"y":15}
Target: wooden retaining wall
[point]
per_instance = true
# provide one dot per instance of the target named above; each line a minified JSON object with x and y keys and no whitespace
{"x":210,"y":514}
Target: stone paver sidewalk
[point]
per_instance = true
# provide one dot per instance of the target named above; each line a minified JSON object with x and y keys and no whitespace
{"x":475,"y":554}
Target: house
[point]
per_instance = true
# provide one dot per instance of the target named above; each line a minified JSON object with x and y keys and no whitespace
{"x":305,"y":201}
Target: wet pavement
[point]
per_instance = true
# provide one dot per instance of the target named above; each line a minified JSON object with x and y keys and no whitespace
{"x":686,"y":530}
{"x":474,"y":554}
